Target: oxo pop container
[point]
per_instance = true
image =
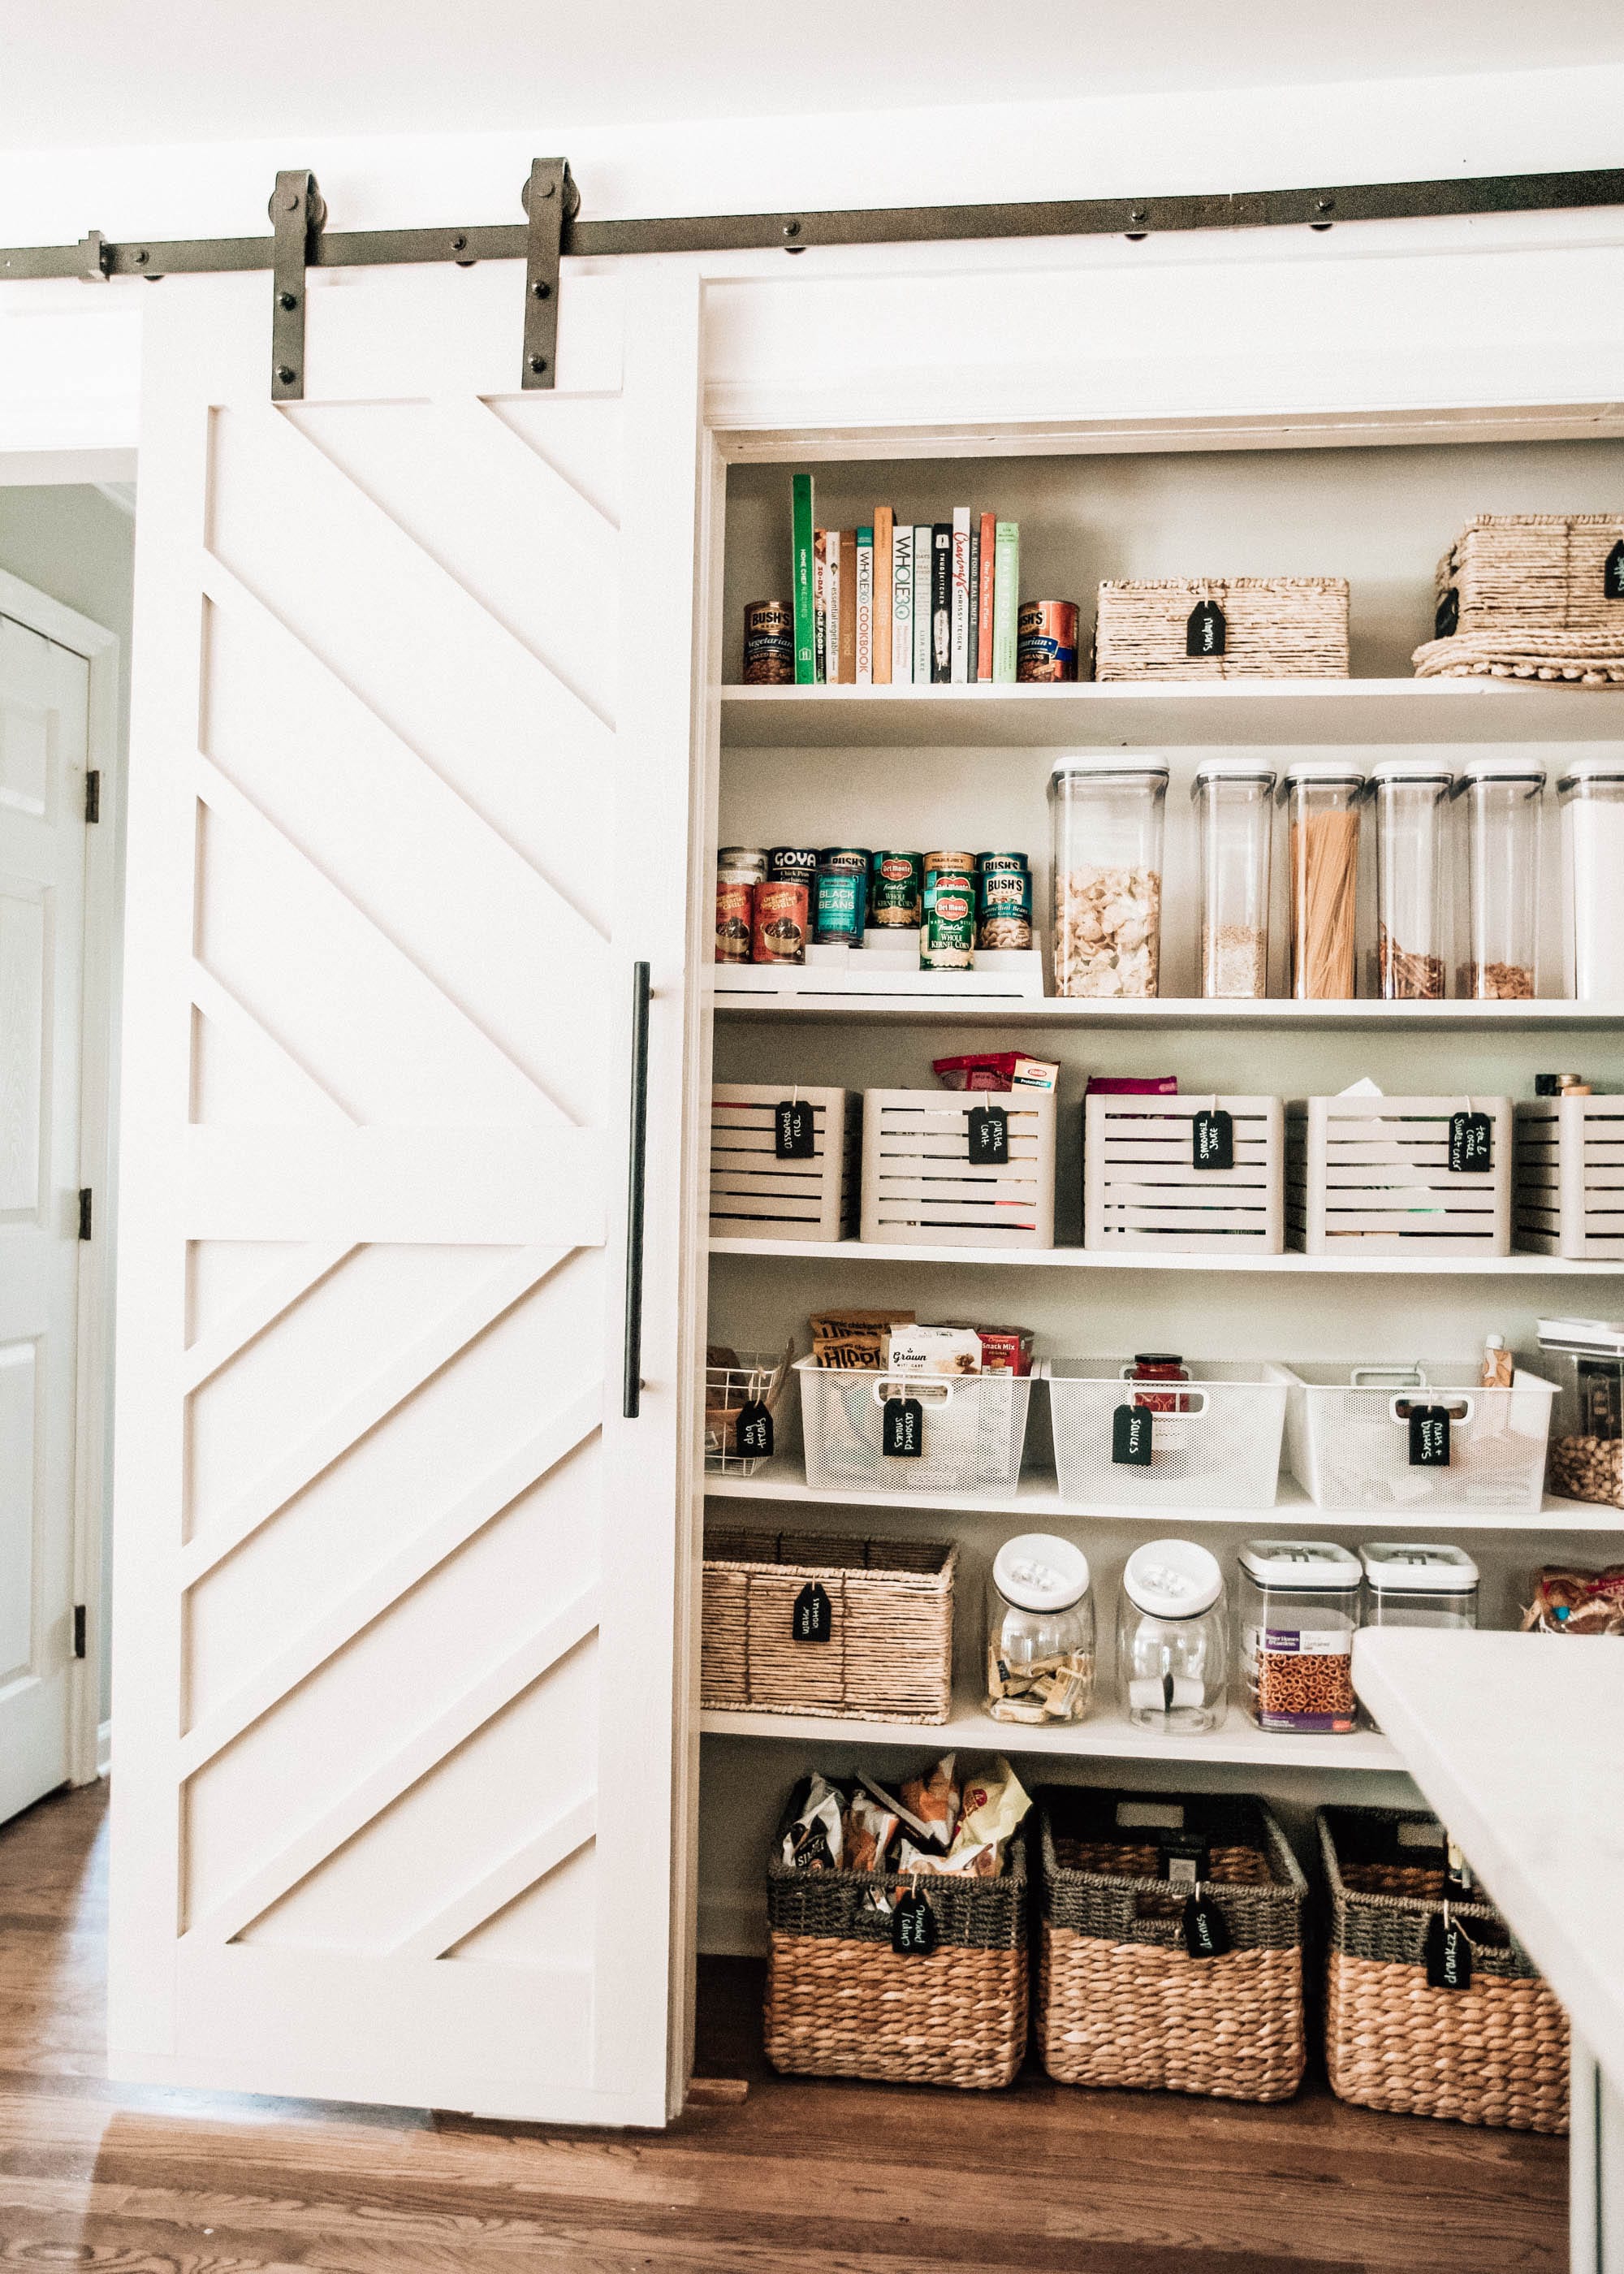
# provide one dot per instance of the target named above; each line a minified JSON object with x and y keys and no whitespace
{"x":1593,"y":801}
{"x":1587,"y":1433}
{"x":1299,"y":1612}
{"x":1106,"y":822}
{"x":1322,"y":850}
{"x":1409,"y":1585}
{"x":1212,"y":1444}
{"x":1235,"y":810}
{"x":1411,"y":798}
{"x":1500,"y":801}
{"x":1418,"y":1436}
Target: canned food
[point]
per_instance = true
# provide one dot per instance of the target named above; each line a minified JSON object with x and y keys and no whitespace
{"x":735,"y":914}
{"x":769,"y":643}
{"x":960,"y":863}
{"x":842,"y":906}
{"x":896,"y":881}
{"x":751,"y":858}
{"x":986,"y":862}
{"x":780,"y":929}
{"x":1046,"y":640}
{"x":793,"y":861}
{"x":947,"y":941}
{"x":1002,"y":905}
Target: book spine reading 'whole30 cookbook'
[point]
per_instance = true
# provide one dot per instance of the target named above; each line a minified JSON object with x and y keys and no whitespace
{"x":801,"y":584}
{"x":819,"y":602}
{"x":940,"y":603}
{"x":960,"y":629}
{"x":865,"y":608}
{"x":902,"y":603}
{"x":922,"y":575}
{"x":986,"y":574}
{"x":883,"y":536}
{"x":1005,"y":601}
{"x":848,"y":607}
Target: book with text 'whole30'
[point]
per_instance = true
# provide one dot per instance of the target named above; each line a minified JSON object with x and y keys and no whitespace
{"x":960,"y":629}
{"x":940,"y":603}
{"x":800,"y":581}
{"x":819,"y":602}
{"x":902,"y":603}
{"x":864,"y":675}
{"x":848,"y":607}
{"x":986,"y":571}
{"x":923,"y":554}
{"x":1005,"y":601}
{"x":885,"y":535}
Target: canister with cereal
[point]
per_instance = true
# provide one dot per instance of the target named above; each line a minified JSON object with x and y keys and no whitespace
{"x":1299,"y":1611}
{"x":1106,"y":818}
{"x":1039,"y":1631}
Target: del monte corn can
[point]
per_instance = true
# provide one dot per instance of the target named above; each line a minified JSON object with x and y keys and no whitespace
{"x":947,"y":941}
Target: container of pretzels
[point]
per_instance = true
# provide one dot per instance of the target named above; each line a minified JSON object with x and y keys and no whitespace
{"x":1170,"y":1938}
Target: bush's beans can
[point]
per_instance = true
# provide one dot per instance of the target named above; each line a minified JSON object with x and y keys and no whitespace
{"x":947,"y":940}
{"x":783,"y":905}
{"x":1046,"y":640}
{"x":895,"y":881}
{"x":736,"y":913}
{"x":841,"y":912}
{"x":1003,"y":901}
{"x":769,"y":644}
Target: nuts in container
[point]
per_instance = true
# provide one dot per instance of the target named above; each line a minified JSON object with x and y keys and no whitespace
{"x":1587,"y":1420}
{"x":1106,"y":820}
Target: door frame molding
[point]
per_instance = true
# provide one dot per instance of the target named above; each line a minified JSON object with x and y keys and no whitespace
{"x":92,"y":1384}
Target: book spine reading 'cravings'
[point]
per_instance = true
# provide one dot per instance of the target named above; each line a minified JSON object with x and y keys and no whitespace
{"x":959,"y":633}
{"x":986,"y":572}
{"x":902,"y":603}
{"x":800,"y":581}
{"x":848,"y":607}
{"x":940,"y":603}
{"x":864,"y":636}
{"x":819,"y":602}
{"x":922,"y":575}
{"x":1005,"y":601}
{"x":883,"y":537}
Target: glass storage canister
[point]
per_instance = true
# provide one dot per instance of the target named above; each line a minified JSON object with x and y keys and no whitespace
{"x":1299,"y":1614}
{"x":1322,"y":802}
{"x":1106,"y":822}
{"x":1501,"y":801}
{"x":1408,"y":1584}
{"x":1593,"y":801}
{"x":1173,"y":1638}
{"x":1587,"y":1422}
{"x":1039,"y":1631}
{"x":1234,"y":800}
{"x":1411,"y":798}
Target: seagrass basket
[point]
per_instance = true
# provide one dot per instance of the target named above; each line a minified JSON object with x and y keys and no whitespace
{"x":887,"y":1622}
{"x":841,"y":2002}
{"x":1272,"y":627}
{"x":1494,"y":2053}
{"x":1120,"y":1999}
{"x":1531,"y":595}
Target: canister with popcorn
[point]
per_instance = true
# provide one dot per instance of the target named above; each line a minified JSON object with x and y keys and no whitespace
{"x":1106,"y":818}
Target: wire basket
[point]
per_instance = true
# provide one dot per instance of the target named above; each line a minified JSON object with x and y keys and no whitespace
{"x":747,"y":1378}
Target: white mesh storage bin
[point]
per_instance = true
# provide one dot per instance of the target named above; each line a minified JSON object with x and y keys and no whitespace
{"x":755,"y":1195}
{"x":1569,"y":1196}
{"x":1142,"y":1186}
{"x":925,"y":1184}
{"x":1351,"y":1444}
{"x":1374,"y":1172}
{"x":970,"y":1431}
{"x":1214,"y":1440}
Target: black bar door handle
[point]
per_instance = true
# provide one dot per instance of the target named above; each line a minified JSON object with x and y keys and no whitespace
{"x":631,"y":1404}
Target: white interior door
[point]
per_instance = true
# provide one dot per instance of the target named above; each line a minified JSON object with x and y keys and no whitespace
{"x":394,"y":1575}
{"x":44,"y":723}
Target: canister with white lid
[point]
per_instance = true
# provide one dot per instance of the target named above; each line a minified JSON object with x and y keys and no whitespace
{"x":1039,"y":1631}
{"x":1299,"y":1612}
{"x":1322,"y":799}
{"x":1586,"y":1357}
{"x":1173,"y":1638}
{"x":1413,"y":1584}
{"x":1234,"y":803}
{"x":1106,"y":826}
{"x":1499,"y":800}
{"x":1410,"y":799}
{"x":1592,"y":792}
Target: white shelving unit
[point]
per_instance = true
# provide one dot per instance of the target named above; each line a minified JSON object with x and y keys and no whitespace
{"x":1079,"y":1258}
{"x":811,"y":994}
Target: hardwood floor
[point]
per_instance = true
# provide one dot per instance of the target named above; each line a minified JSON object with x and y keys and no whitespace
{"x":826,"y":2179}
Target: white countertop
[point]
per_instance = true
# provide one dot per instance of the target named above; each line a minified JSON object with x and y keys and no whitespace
{"x":1518,"y":1742}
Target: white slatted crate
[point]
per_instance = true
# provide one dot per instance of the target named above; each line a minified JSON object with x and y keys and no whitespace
{"x":1375,"y":1172}
{"x":1141,"y":1187}
{"x":920,"y":1186}
{"x":754,"y":1196}
{"x":1569,"y":1196}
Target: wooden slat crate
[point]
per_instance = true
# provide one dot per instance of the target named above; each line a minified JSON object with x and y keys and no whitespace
{"x":1569,"y":1196}
{"x":1141,"y":1187}
{"x":920,"y":1187}
{"x":1374,"y":1171}
{"x":754,"y":1196}
{"x":1275,"y":627}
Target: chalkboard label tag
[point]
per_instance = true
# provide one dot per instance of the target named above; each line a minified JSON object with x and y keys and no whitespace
{"x":1612,"y":575}
{"x":1130,"y":1436}
{"x":989,"y":1136}
{"x":902,"y":1432}
{"x":1472,"y":1144}
{"x":1205,"y":1933}
{"x":1185,"y":1857}
{"x":1446,"y":621}
{"x":754,"y":1434}
{"x":1205,"y":629}
{"x":1429,"y":1436}
{"x":812,"y":1620}
{"x":912,"y":1925}
{"x":792,"y":1130}
{"x":1449,"y":1953}
{"x":1212,"y":1139}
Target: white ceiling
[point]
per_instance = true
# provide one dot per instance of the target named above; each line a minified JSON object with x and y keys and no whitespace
{"x":124,"y":71}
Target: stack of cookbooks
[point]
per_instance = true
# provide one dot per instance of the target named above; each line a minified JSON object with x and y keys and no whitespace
{"x":930,"y":603}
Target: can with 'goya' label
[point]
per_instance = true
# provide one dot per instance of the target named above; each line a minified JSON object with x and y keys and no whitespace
{"x":947,"y":939}
{"x":896,"y":881}
{"x":1046,"y":640}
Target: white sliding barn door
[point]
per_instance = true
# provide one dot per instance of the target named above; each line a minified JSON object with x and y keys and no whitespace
{"x":409,"y":801}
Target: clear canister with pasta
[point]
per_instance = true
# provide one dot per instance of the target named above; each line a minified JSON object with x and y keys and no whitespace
{"x":1322,"y":797}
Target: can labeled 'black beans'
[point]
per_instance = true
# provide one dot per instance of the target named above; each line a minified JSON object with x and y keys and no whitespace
{"x":842,"y":901}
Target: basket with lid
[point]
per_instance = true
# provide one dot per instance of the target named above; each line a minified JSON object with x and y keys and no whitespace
{"x":1217,"y":1442}
{"x":1419,"y":1435}
{"x":1587,"y":1423}
{"x":1169,"y":1945}
{"x":1299,"y":1612}
{"x":1433,"y":2007}
{"x":1531,"y":595}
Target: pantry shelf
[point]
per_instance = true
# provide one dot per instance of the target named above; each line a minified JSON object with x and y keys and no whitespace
{"x":1037,"y":1498}
{"x":808,"y":995}
{"x":1140,"y":1259}
{"x":1103,"y":1736}
{"x":1277,"y":712}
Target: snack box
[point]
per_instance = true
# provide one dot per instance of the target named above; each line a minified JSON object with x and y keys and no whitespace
{"x":995,"y":1070}
{"x":1005,"y":1350}
{"x":933,"y":1351}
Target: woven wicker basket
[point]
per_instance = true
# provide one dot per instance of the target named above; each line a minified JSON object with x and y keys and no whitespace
{"x":1529,"y":598}
{"x":841,"y":2002}
{"x":1493,"y":2053}
{"x":1275,"y":627}
{"x":1121,"y":2001}
{"x":890,"y":1651}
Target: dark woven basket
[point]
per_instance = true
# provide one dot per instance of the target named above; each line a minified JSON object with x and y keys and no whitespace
{"x":1494,"y":2053}
{"x":840,"y":2002}
{"x":1120,"y":1999}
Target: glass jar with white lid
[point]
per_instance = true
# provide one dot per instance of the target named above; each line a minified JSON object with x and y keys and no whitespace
{"x":1173,"y":1638}
{"x":1499,"y":800}
{"x":1105,"y":827}
{"x":1039,"y":1631}
{"x":1234,"y":799}
{"x":1409,"y":1583}
{"x":1592,"y":803}
{"x":1299,"y":1612}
